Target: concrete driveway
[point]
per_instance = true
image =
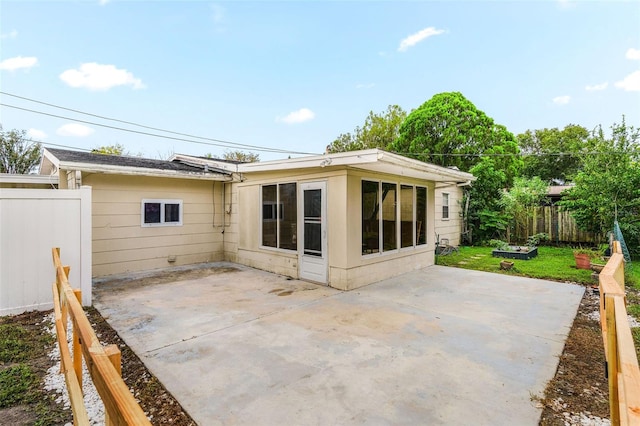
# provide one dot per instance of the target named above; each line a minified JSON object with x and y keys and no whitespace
{"x":435,"y":346}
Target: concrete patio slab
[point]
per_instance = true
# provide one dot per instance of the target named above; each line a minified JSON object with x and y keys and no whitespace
{"x":435,"y":346}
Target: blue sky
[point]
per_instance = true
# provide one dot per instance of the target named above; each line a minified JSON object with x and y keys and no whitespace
{"x":293,"y":75}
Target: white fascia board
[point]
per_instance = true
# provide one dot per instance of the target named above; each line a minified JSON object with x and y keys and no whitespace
{"x":49,"y":164}
{"x":371,"y":160}
{"x":28,"y":179}
{"x":337,"y":159}
{"x":444,"y":174}
{"x":140,"y":171}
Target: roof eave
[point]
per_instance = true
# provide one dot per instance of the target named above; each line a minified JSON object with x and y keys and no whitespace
{"x":141,"y":171}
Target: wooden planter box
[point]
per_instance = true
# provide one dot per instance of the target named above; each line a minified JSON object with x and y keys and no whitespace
{"x":516,"y":252}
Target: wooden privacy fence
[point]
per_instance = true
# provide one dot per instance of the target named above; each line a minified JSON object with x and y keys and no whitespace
{"x":622,"y":363}
{"x":103,"y":363}
{"x":556,"y":223}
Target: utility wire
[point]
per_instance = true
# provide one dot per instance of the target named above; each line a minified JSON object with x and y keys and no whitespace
{"x":248,"y":146}
{"x":220,"y":144}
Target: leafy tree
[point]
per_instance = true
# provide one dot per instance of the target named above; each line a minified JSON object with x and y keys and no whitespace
{"x":521,"y":200}
{"x":18,"y":155}
{"x":116,"y":149}
{"x":245,"y":157}
{"x":485,"y":219}
{"x":449,"y":130}
{"x":553,"y":153}
{"x":379,"y":131}
{"x":608,"y":185}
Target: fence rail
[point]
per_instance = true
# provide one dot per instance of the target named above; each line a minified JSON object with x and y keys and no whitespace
{"x":622,"y":363}
{"x":558,"y":224}
{"x":103,"y":363}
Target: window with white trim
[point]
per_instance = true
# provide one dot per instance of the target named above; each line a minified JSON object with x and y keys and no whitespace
{"x":392,"y":215}
{"x":280,"y":216}
{"x":156,"y":212}
{"x":445,"y":205}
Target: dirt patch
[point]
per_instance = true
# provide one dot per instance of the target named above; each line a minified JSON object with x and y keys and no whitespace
{"x":166,"y":277}
{"x":158,"y":404}
{"x":578,"y":394}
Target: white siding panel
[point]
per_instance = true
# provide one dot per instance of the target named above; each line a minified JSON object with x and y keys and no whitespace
{"x":32,"y":222}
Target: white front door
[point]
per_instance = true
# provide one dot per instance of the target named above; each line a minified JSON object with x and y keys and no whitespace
{"x":312,"y":253}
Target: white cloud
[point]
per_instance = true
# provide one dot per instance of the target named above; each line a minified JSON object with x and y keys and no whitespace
{"x":630,"y":83}
{"x":364,"y":86}
{"x":103,"y":2}
{"x":12,"y":34}
{"x":217,"y":13}
{"x":561,"y":100}
{"x":416,"y":38}
{"x":596,"y":87}
{"x":36,"y":134}
{"x":566,"y":4}
{"x":633,"y":54}
{"x":95,"y":76}
{"x":299,"y":116}
{"x":12,"y":64}
{"x":74,"y":129}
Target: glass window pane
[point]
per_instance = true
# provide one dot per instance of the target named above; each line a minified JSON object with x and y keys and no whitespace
{"x":312,"y":203}
{"x":288,"y":215}
{"x":172,"y":212}
{"x":421,"y":215}
{"x":312,"y":238}
{"x":445,"y":206}
{"x":269,"y":224}
{"x":406,"y":216}
{"x":151,"y":212}
{"x":389,"y":197}
{"x":370,"y":212}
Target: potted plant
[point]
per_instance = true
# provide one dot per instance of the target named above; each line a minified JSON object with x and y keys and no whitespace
{"x":583,"y":258}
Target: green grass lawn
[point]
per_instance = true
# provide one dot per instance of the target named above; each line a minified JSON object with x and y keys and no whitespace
{"x":552,"y":263}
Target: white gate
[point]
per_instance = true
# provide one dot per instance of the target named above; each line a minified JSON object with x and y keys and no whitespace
{"x":32,"y":221}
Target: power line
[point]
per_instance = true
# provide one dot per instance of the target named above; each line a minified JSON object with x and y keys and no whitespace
{"x":223,"y":144}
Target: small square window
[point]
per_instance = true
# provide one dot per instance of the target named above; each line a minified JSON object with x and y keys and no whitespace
{"x":161,"y":213}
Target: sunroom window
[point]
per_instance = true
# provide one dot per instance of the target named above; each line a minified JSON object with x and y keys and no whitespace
{"x":280,"y":216}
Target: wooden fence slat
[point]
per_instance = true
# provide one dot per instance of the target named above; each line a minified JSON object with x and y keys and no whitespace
{"x":80,"y":416}
{"x":557,"y":223}
{"x":622,"y":362}
{"x":612,"y":358}
{"x":118,"y":401}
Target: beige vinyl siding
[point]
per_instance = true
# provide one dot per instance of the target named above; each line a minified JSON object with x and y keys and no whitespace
{"x":121,"y":244}
{"x":348,"y":268}
{"x":449,"y":228}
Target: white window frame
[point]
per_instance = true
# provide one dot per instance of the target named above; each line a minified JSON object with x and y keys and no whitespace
{"x":162,"y":203}
{"x":279,"y":208}
{"x":447,"y":205}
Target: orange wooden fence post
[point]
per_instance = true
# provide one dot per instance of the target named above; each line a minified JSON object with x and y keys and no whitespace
{"x":115,"y":357}
{"x":612,"y":358}
{"x":77,"y":347}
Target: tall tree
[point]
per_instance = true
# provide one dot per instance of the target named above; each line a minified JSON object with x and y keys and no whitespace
{"x":378,"y":131}
{"x":116,"y":149}
{"x":484,"y":215}
{"x":18,"y":155}
{"x":449,"y":130}
{"x":552,"y":153}
{"x":608,"y":185}
{"x":245,"y":157}
{"x":521,"y":200}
